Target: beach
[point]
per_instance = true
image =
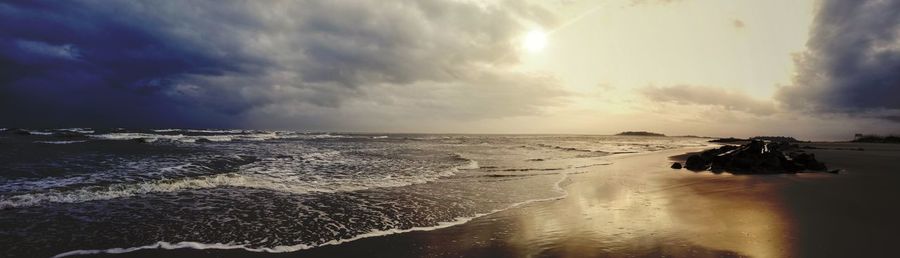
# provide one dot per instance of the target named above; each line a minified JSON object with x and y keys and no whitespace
{"x":639,"y":207}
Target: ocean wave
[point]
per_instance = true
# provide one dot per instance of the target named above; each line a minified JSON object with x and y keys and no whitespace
{"x":217,"y":131}
{"x":190,"y":135}
{"x":186,"y":138}
{"x":97,"y":193}
{"x":61,"y":142}
{"x":33,"y":132}
{"x":326,"y":136}
{"x":299,"y":247}
{"x":78,"y":130}
{"x":568,"y":148}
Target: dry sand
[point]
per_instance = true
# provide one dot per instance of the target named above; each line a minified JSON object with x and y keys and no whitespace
{"x":639,"y":207}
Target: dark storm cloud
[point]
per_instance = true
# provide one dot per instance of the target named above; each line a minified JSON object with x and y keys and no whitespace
{"x":709,"y":96}
{"x":852,"y":62}
{"x":205,"y":63}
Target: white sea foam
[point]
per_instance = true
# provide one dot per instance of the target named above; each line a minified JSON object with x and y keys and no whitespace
{"x":257,"y":181}
{"x":40,"y":133}
{"x":298,"y":247}
{"x":223,"y":131}
{"x":79,"y":130}
{"x":132,"y":136}
{"x":128,"y":190}
{"x":61,"y":142}
{"x":326,"y":136}
{"x":186,"y":138}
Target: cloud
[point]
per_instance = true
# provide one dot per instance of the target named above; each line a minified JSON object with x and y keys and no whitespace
{"x":46,"y":50}
{"x":213,"y":63}
{"x":851,"y":63}
{"x":649,"y":2}
{"x":709,"y":96}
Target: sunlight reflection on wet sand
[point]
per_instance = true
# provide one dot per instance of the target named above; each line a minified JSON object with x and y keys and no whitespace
{"x":621,"y":210}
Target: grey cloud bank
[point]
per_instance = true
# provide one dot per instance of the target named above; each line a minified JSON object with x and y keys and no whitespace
{"x":852,"y":62}
{"x":713,"y":96}
{"x":215,"y":63}
{"x":366,"y":65}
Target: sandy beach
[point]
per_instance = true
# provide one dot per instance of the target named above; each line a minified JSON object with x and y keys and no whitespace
{"x":639,"y":207}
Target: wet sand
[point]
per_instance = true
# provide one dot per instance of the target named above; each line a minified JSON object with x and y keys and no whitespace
{"x":639,"y":207}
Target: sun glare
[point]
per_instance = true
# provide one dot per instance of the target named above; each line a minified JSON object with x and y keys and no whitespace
{"x":534,"y":41}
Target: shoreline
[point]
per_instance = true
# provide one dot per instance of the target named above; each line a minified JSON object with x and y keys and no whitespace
{"x":638,"y":206}
{"x":219,"y":249}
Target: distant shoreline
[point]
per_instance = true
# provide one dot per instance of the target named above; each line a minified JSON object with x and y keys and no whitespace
{"x":639,"y":133}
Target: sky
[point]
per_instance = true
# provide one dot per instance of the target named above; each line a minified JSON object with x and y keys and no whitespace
{"x":812,"y":69}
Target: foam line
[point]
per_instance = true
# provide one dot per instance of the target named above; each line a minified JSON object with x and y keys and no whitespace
{"x":293,"y":248}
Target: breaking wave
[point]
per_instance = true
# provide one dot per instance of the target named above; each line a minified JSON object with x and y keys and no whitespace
{"x":557,"y":187}
{"x":96,"y":193}
{"x":185,"y":138}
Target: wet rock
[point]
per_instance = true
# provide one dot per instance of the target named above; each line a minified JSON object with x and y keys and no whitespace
{"x":756,"y":157}
{"x":696,"y":162}
{"x":676,"y":165}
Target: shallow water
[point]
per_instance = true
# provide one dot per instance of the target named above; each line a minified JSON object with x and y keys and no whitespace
{"x":116,"y":190}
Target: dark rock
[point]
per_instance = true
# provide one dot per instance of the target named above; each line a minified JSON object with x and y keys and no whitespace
{"x":203,"y":140}
{"x":676,"y":165}
{"x":770,"y":161}
{"x":729,"y":140}
{"x":756,"y":157}
{"x":696,"y":162}
{"x":284,"y":157}
{"x":742,"y":162}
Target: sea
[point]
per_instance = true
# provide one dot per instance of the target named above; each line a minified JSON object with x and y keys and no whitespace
{"x":77,"y":191}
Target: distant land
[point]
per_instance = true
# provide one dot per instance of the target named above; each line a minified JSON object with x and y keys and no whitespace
{"x":877,"y":138}
{"x":761,"y":138}
{"x":775,"y":138}
{"x":640,"y":133}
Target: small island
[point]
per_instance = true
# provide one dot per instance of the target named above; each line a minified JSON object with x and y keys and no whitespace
{"x":639,"y":133}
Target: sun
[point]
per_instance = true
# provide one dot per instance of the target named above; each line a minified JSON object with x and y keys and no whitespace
{"x":534,"y":41}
